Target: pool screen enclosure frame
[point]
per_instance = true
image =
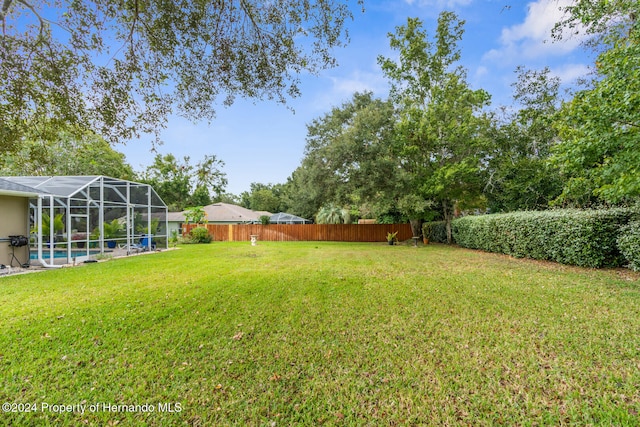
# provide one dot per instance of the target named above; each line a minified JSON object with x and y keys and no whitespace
{"x":76,"y":216}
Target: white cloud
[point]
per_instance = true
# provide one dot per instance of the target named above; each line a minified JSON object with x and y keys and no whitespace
{"x":343,"y":88}
{"x":357,"y":82}
{"x":481,"y":72}
{"x":531,"y":39}
{"x":569,"y":73}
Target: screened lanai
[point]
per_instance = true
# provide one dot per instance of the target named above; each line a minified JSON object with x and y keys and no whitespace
{"x":287,"y":218}
{"x":75,"y":218}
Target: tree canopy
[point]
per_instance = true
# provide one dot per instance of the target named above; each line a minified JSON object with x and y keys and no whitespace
{"x":439,"y":147}
{"x":68,"y":154}
{"x":181,"y":184}
{"x":600,"y":126}
{"x":348,"y":159}
{"x":441,"y":135}
{"x":519,"y":175}
{"x":264,"y":197}
{"x":121,"y":68}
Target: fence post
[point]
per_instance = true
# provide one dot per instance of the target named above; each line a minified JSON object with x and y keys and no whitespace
{"x":231,"y":232}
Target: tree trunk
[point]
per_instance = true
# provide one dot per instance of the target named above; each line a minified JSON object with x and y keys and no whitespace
{"x":416,"y":227}
{"x":447,"y":209}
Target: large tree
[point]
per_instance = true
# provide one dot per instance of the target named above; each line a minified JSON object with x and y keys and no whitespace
{"x":441,"y":134}
{"x":181,"y":184}
{"x":70,"y":153}
{"x":600,"y":127}
{"x":122,"y":67}
{"x":348,"y":159}
{"x":264,"y":197}
{"x":519,"y":176}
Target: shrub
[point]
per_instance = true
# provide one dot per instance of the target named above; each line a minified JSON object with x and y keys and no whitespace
{"x":585,"y":238}
{"x":173,"y":238}
{"x":200,"y":235}
{"x":196,"y":215}
{"x":435,"y":231}
{"x":265,"y":219}
{"x":629,"y":244}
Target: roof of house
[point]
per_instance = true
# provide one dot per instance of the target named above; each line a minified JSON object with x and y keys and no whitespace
{"x":223,"y":212}
{"x":10,"y":188}
{"x":226,"y":212}
{"x":175,"y":216}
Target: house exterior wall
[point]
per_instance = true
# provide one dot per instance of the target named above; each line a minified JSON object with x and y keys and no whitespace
{"x":14,"y":220}
{"x":174,"y":226}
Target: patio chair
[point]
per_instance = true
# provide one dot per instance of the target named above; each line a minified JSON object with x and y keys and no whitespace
{"x":145,"y":240}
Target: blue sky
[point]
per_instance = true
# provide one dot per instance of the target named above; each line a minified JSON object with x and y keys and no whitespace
{"x":264,"y":141}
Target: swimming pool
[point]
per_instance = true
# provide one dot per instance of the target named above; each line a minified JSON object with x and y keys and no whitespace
{"x":62,"y":254}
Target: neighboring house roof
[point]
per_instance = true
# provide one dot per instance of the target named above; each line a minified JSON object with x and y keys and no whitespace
{"x":226,"y":212}
{"x":287,"y":218}
{"x":223,"y":212}
{"x":175,"y":217}
{"x":10,"y":188}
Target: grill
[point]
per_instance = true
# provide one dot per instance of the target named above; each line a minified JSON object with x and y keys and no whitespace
{"x":18,"y":241}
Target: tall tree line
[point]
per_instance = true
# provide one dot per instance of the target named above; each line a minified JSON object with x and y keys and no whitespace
{"x":432,"y":149}
{"x":435,"y":147}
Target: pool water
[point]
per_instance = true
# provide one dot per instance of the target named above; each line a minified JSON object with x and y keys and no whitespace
{"x":62,"y":254}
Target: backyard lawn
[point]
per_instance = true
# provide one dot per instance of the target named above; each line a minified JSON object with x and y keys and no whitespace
{"x":320,"y":333}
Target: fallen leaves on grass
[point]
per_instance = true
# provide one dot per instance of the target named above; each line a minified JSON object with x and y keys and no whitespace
{"x":275,"y":377}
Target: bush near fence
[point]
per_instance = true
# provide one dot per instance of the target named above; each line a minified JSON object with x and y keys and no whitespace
{"x":199,"y":235}
{"x":586,"y":238}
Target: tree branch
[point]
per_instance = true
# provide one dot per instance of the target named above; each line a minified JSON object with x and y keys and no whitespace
{"x":6,"y":4}
{"x":258,"y":30}
{"x":35,"y":12}
{"x":628,"y":123}
{"x":133,"y":25}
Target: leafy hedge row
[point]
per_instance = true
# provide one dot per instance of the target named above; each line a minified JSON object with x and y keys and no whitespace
{"x":587,"y":238}
{"x":629,"y":244}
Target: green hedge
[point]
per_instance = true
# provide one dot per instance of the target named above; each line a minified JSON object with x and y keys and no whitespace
{"x":586,"y":238}
{"x":629,"y":244}
{"x":435,"y":231}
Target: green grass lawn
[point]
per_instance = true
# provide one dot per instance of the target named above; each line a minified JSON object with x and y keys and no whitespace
{"x":320,"y":333}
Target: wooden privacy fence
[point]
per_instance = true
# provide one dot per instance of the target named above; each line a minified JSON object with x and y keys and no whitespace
{"x":306,"y":232}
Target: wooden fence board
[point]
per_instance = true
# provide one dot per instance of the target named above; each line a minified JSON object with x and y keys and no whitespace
{"x":306,"y":232}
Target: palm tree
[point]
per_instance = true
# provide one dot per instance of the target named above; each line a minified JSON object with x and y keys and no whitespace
{"x":332,"y":214}
{"x":58,"y":225}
